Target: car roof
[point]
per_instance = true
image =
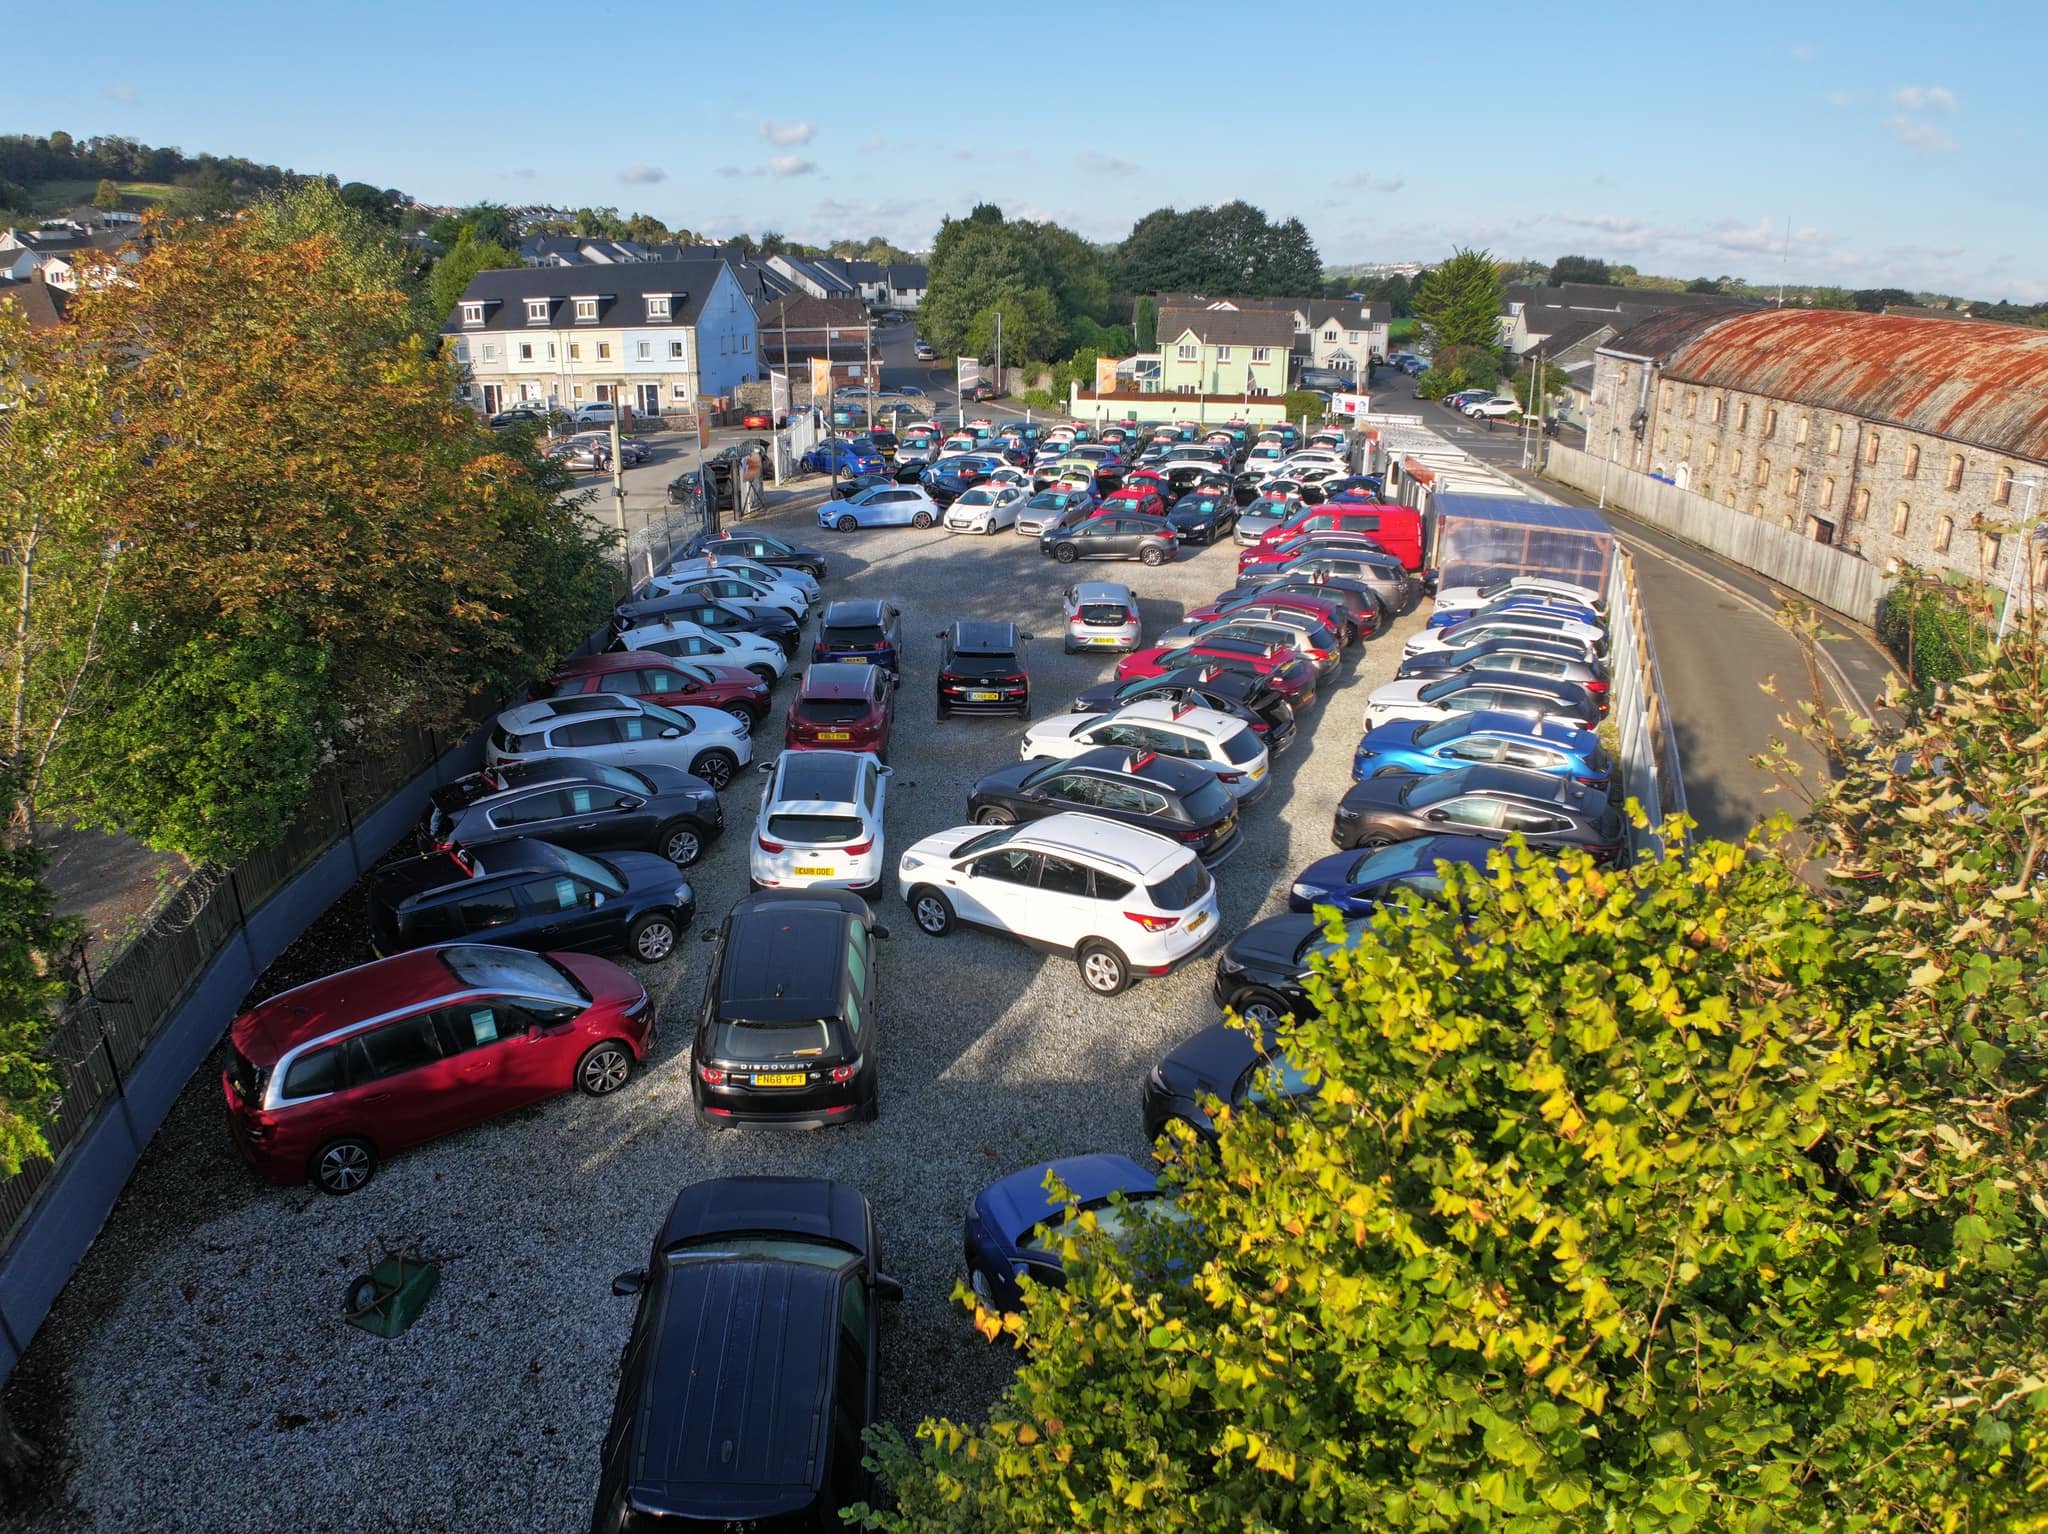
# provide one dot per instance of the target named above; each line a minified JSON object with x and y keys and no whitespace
{"x":821,"y":777}
{"x":604,"y":662}
{"x":1488,"y":721}
{"x":1540,"y":787}
{"x":600,"y":705}
{"x":1101,"y":591}
{"x":268,"y":1029}
{"x":1019,"y":1201}
{"x":1199,"y":721}
{"x":838,"y":679}
{"x":1169,"y":772}
{"x":1144,"y":854}
{"x":976,"y":636}
{"x":784,"y":960}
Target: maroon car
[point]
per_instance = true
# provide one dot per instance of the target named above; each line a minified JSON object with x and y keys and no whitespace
{"x":842,"y":706}
{"x":657,"y":679}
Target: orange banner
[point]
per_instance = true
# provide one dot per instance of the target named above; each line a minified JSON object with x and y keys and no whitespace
{"x":821,"y":380}
{"x":1105,"y":375}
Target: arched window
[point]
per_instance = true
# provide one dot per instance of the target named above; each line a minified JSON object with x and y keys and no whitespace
{"x":1912,"y":468}
{"x":1944,"y":531}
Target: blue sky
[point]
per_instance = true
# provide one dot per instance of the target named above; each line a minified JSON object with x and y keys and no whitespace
{"x":1899,"y":145}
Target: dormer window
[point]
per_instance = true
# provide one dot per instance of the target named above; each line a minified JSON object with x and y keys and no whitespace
{"x":657,"y":306}
{"x":586,"y":310}
{"x":472,"y":314}
{"x":536,"y":311}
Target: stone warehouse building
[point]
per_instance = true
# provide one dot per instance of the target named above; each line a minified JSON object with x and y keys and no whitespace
{"x":1900,"y":438}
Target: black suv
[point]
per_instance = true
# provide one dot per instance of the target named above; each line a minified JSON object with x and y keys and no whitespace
{"x":861,"y":630}
{"x":1179,"y":800}
{"x":1149,"y":539}
{"x":786,"y":1034}
{"x":1245,"y":695}
{"x":584,"y":806}
{"x":761,"y":548}
{"x":771,"y":623}
{"x":529,"y":894}
{"x":751,"y":1365}
{"x":981,"y":670}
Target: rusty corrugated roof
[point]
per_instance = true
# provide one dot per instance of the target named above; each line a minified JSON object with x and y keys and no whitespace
{"x":1968,"y":380}
{"x":1665,"y":332}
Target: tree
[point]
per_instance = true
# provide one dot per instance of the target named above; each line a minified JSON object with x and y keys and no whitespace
{"x":1031,"y":326}
{"x":1704,"y":285}
{"x":1145,"y":324}
{"x":1459,"y":305}
{"x":1589,"y":1223}
{"x":1232,"y":249}
{"x":60,"y":145}
{"x":1580,"y":269}
{"x":457,"y":266}
{"x":106,"y":195}
{"x":32,"y":987}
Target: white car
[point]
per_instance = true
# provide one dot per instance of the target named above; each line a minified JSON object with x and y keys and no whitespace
{"x":689,"y":574}
{"x":1517,"y":621}
{"x":595,"y":415}
{"x":621,"y":732}
{"x":1226,"y":746}
{"x":754,"y":569}
{"x":984,"y":509}
{"x":1460,"y":599}
{"x":1009,"y":474}
{"x":1499,"y":408}
{"x":1313,"y":458}
{"x":742,"y":592}
{"x":1124,"y":902}
{"x":820,"y":822}
{"x":681,"y":639}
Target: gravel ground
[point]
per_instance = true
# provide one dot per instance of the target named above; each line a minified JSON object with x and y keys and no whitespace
{"x":196,"y":1374}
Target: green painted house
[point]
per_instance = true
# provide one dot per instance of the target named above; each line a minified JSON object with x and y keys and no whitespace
{"x":1221,"y":349}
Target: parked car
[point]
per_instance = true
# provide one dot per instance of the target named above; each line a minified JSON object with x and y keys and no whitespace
{"x":1500,"y":655}
{"x":326,"y":1080}
{"x":1359,"y":883}
{"x":593,"y":449}
{"x":1294,"y":676}
{"x":1494,"y":623}
{"x":1311,"y":638}
{"x":1468,"y":692}
{"x":861,"y":629}
{"x":746,"y":592}
{"x":599,"y":414}
{"x":987,"y":508}
{"x":786,"y":1034}
{"x":1244,"y":695}
{"x":751,"y":1366}
{"x":528,"y":893}
{"x":1149,"y":540}
{"x":1054,"y":510}
{"x":1452,"y":599}
{"x":686,"y":570}
{"x":1221,"y":1063}
{"x":1134,"y":500}
{"x":1015,"y":1229}
{"x":1169,"y":797}
{"x":820,"y":821}
{"x":1298,"y":609}
{"x":1484,"y":739}
{"x":1464,"y":397}
{"x":681,"y":639}
{"x":1501,"y":407}
{"x":1491,"y":802}
{"x":1393,"y":587}
{"x":842,"y":705}
{"x":1355,"y":604}
{"x":1203,"y":516}
{"x":924,"y":351}
{"x":772,"y":622}
{"x":1099,"y":615}
{"x":882,"y":505}
{"x":847,"y":488}
{"x":1124,"y":902}
{"x":585,"y":806}
{"x":838,"y":455}
{"x":622,"y":732}
{"x":1224,"y":745}
{"x":885,"y":443}
{"x":762,"y":548}
{"x":1396,"y":529}
{"x":674,"y":683}
{"x":951,"y":477}
{"x":982,"y":670}
{"x":1456,"y":657}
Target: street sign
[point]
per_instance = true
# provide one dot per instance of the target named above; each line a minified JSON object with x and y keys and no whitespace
{"x":1351,"y":404}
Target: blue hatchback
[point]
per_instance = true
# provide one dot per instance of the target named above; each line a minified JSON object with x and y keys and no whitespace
{"x":1014,"y":1225}
{"x":1556,"y":607}
{"x":1359,"y":882}
{"x":1486,"y":737}
{"x":837,"y":455}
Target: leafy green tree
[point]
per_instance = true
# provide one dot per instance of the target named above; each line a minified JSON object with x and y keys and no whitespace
{"x":381,"y":207}
{"x":1580,"y":269}
{"x":1231,"y":249}
{"x":455,"y":267}
{"x":1591,"y":1223}
{"x":32,"y":940}
{"x":106,"y":195}
{"x":1146,"y":324}
{"x":1535,"y":401}
{"x":1303,"y":404}
{"x":1706,"y":285}
{"x":1032,"y":331}
{"x":1459,"y":305}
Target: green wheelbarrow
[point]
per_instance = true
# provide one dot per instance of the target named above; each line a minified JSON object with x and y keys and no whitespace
{"x":389,"y":1298}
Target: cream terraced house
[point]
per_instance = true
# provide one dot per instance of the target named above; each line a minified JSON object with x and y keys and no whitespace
{"x":659,"y":335}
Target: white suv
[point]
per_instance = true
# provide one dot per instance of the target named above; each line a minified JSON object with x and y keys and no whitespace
{"x":680,"y":639}
{"x":704,"y":564}
{"x":693,"y":573}
{"x":820,"y":822}
{"x":1124,"y":902}
{"x":1226,"y":746}
{"x":622,"y":732}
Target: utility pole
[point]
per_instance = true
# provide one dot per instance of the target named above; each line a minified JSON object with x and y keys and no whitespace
{"x":619,"y":493}
{"x":2019,"y":558}
{"x":868,"y":366}
{"x":999,"y":356}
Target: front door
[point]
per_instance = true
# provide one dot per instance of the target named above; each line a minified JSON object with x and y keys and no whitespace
{"x":493,"y":398}
{"x":649,"y":397}
{"x":604,"y":394}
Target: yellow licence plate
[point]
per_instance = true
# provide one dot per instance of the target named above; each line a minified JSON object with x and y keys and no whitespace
{"x":1191,"y":927}
{"x":780,"y":1079}
{"x":983,"y":697}
{"x":813,"y":873}
{"x":835,"y":735}
{"x":1258,"y":772}
{"x":1226,"y":827}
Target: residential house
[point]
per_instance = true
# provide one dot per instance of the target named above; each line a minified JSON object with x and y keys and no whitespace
{"x":797,"y":328}
{"x":812,"y":278}
{"x":1224,"y":350}
{"x":864,"y":277}
{"x":1567,"y":356}
{"x":1532,"y":311}
{"x":1339,"y":334}
{"x":60,"y":253}
{"x":904,"y":284}
{"x":42,"y":304}
{"x":576,"y":250}
{"x":660,"y":334}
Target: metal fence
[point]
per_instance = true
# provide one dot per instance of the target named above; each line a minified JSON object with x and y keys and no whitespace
{"x":1646,"y":747}
{"x":1836,"y":580}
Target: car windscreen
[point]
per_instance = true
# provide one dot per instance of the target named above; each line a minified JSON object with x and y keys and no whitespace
{"x":831,"y":710}
{"x":764,"y":1043}
{"x":592,"y":869}
{"x":480,"y":968}
{"x":721,"y":1248}
{"x":1181,"y":888}
{"x":815,"y":830}
{"x":1208,"y":803}
{"x":1242,"y":747}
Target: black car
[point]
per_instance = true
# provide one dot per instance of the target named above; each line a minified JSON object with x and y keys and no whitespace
{"x":1307,"y":607}
{"x":751,"y":1365}
{"x":1203,"y":516}
{"x":952,"y":477}
{"x":1220,"y":1062}
{"x":1242,"y":692}
{"x":982,"y":670}
{"x":584,"y":806}
{"x":846,"y":489}
{"x":1174,"y":798}
{"x":1491,"y":802}
{"x":530,"y":894}
{"x":1150,"y":540}
{"x":885,"y":443}
{"x":861,"y":630}
{"x":1396,"y":588}
{"x":786,"y":1034}
{"x":1261,"y":976}
{"x":771,"y":623}
{"x":761,"y":548}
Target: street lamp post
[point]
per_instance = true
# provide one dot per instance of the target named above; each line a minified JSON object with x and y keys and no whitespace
{"x":2019,"y":550}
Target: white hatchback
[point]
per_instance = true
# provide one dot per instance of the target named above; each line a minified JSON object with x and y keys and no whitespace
{"x":1124,"y":902}
{"x":753,"y":569}
{"x":984,"y":509}
{"x":680,"y":639}
{"x":692,"y":573}
{"x":1226,"y":746}
{"x":820,"y":822}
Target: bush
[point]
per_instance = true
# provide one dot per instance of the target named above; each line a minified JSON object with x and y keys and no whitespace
{"x":1039,"y":399}
{"x":1931,"y":629}
{"x":1304,"y":404}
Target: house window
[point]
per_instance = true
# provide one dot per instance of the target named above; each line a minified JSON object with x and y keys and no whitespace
{"x":1188,"y":351}
{"x":1664,"y":398}
{"x":1742,"y":415}
{"x":1262,"y":354}
{"x":1663,"y":439}
{"x":551,"y":351}
{"x":1351,"y":336}
{"x":576,"y":391}
{"x":1763,"y":470}
{"x":586,"y":309}
{"x":1735,"y":466}
{"x":1260,"y":390}
{"x":575,"y":352}
{"x":1944,"y":531}
{"x":1912,"y":468}
{"x":1185,"y":389}
{"x":526,"y":351}
{"x":644,"y":350}
{"x":1714,"y":408}
{"x":462,"y":351}
{"x":1835,"y":437}
{"x":536,"y":311}
{"x":1801,"y":428}
{"x":2003,"y":494}
{"x":1863,"y":504}
{"x":657,"y":306}
{"x":747,"y":342}
{"x":1222,"y":354}
{"x":1709,"y":455}
{"x":1827,"y":492}
{"x":675,"y":351}
{"x":1692,"y":403}
{"x":1870,"y":448}
{"x":604,"y":350}
{"x":1988,"y":546}
{"x":472,"y":314}
{"x":679,"y":391}
{"x":490,"y":351}
{"x":1955,"y":471}
{"x":1795,"y":481}
{"x":1330,"y":334}
{"x":1770,"y":423}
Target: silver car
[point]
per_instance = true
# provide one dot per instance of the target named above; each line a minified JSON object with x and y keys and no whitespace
{"x":1100,"y":615}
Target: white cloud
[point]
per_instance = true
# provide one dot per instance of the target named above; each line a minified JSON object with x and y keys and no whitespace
{"x":1915,"y":134}
{"x":790,"y":165}
{"x":643,"y":175}
{"x":120,"y":91}
{"x":783,"y":135}
{"x":1924,"y":98}
{"x":1106,"y":164}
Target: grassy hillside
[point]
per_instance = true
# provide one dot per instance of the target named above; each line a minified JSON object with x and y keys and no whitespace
{"x":137,"y":196}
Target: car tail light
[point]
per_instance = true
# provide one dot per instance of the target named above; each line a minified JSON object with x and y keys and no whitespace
{"x":845,"y":1073}
{"x":1011,"y":681}
{"x":509,"y":761}
{"x":1196,"y":836}
{"x":713,"y":1076}
{"x":767,"y":846}
{"x":1595,"y":686}
{"x":1260,"y":727}
{"x":859,"y":849}
{"x":1229,"y":777}
{"x":1151,"y":923}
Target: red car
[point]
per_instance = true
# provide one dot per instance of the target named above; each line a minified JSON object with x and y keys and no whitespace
{"x":324,"y":1081}
{"x":1332,"y":615}
{"x":675,"y":683}
{"x":1261,"y":555}
{"x":1291,"y":673}
{"x":1146,"y":479}
{"x":757,"y":420}
{"x":842,"y":706}
{"x":1396,"y":529}
{"x":1140,"y":498}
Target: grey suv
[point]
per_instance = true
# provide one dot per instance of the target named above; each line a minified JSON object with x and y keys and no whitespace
{"x":584,"y":806}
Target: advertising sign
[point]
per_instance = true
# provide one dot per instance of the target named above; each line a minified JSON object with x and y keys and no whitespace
{"x":821,"y":380}
{"x":970,"y":374}
{"x":1105,"y":375}
{"x":778,"y":397}
{"x":1351,"y":404}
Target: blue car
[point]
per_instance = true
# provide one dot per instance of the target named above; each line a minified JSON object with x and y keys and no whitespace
{"x":838,"y":455}
{"x":1013,"y":1225}
{"x":1555,"y":606}
{"x":1359,"y":881}
{"x":885,"y":504}
{"x":1486,"y":736}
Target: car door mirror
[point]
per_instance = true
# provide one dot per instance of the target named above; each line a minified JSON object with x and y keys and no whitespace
{"x":886,"y":1288}
{"x":709,"y":937}
{"x":888,"y":772}
{"x":628,"y":1284}
{"x":879,"y":931}
{"x":1436,"y":815}
{"x":629,"y":803}
{"x":671,"y":733}
{"x":764,"y":767}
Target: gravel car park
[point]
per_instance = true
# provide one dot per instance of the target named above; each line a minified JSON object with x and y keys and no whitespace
{"x":203,"y":1332}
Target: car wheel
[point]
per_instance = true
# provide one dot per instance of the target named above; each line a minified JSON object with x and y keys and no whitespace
{"x":343,"y":1166}
{"x":1103,"y":970}
{"x":1151,"y":554}
{"x":765,"y":673}
{"x":1368,"y":842}
{"x":846,"y":524}
{"x":1066,"y":553}
{"x":652,"y":938}
{"x":715,"y":767}
{"x":741,"y":717}
{"x":604,"y":1068}
{"x":993,"y":816}
{"x":680,"y":842}
{"x":921,"y":521}
{"x":931,"y":910}
{"x":1266,"y":1008}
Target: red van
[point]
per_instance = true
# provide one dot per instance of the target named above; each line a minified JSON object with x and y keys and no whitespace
{"x":324,"y":1081}
{"x":1397,"y":529}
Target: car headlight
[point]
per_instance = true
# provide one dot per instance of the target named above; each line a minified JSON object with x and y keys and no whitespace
{"x":1229,"y":966}
{"x":1155,"y":1079}
{"x":1307,"y":892}
{"x":909,"y":863}
{"x":684,"y":895}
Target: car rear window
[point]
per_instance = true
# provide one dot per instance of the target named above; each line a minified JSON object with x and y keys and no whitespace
{"x":815,"y":830}
{"x":244,"y":1077}
{"x":1242,"y":747}
{"x":1181,"y":888}
{"x":507,"y":969}
{"x":760,"y":1043}
{"x":831,"y":710}
{"x":1210,"y":802}
{"x":505,"y":740}
{"x":856,"y":633}
{"x":1105,"y":614}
